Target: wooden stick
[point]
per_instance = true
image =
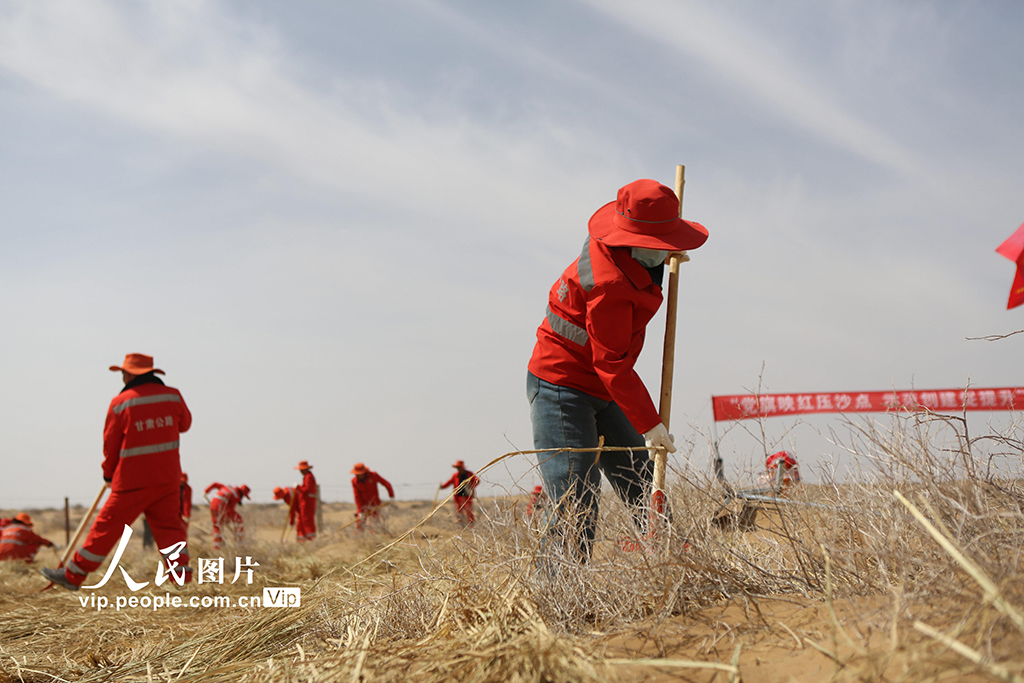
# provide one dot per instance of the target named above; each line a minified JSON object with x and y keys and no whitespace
{"x":668,"y":355}
{"x":81,"y":525}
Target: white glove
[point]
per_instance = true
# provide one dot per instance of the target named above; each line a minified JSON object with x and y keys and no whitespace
{"x":658,"y":437}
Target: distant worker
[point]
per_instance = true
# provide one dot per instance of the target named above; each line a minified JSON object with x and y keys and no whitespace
{"x":783,"y":472}
{"x":581,"y":382}
{"x":18,"y":541}
{"x":305,"y":529}
{"x":143,"y":469}
{"x":465,"y":483}
{"x":364,"y":488}
{"x":185,"y":501}
{"x":222,"y":511}
{"x":538,"y":501}
{"x":287,"y":495}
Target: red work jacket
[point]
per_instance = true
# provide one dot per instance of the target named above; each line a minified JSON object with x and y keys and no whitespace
{"x":365,"y":491}
{"x":307,"y":493}
{"x":140,"y":439}
{"x":594,"y":330}
{"x":469,"y":489}
{"x":19,"y":542}
{"x":229,"y":496}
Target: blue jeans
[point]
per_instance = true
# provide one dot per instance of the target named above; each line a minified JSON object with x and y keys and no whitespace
{"x":569,"y":418}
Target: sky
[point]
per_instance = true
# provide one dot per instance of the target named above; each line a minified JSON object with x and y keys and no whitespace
{"x":334,"y":225}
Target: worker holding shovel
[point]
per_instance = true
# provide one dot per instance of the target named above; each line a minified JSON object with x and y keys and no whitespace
{"x":581,"y":382}
{"x":142,"y":467}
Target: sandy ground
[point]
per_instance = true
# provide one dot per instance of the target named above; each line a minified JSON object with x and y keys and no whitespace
{"x":781,"y":638}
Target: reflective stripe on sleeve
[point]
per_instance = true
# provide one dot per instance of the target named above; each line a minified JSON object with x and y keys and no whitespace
{"x":564,"y":328}
{"x":584,"y":269}
{"x":146,"y":450}
{"x":12,"y":541}
{"x":144,"y":400}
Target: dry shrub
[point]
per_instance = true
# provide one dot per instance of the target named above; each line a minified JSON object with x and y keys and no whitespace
{"x":502,"y":602}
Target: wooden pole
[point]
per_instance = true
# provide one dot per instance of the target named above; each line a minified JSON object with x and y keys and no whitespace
{"x":288,"y":515}
{"x":668,"y":355}
{"x":319,"y":510}
{"x":81,"y":525}
{"x":67,"y":522}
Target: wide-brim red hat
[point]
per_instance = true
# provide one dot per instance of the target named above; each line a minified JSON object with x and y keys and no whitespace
{"x":460,"y":463}
{"x":646,"y":214}
{"x":303,"y":465}
{"x":23,"y":518}
{"x":137,"y":364}
{"x":360,"y":468}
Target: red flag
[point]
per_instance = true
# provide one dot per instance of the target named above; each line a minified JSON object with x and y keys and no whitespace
{"x":1013,"y":249}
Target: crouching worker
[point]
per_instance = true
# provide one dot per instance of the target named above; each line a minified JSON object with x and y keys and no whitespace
{"x":143,"y":469}
{"x":364,"y":489}
{"x":223,"y":513}
{"x":19,"y":542}
{"x":581,"y":383}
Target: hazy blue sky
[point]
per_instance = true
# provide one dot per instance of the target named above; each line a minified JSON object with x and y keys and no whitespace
{"x":334,"y":224}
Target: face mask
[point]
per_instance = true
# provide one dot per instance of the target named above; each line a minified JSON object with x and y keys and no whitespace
{"x":649,"y":258}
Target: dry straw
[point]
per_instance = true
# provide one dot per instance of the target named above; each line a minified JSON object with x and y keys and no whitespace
{"x":506,"y":602}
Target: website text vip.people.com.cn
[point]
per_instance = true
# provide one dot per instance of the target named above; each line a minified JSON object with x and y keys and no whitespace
{"x":272,"y":598}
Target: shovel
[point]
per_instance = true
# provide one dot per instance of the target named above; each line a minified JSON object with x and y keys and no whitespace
{"x":667,"y":366}
{"x":78,"y":532}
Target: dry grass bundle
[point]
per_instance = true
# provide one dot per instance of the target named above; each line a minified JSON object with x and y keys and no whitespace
{"x":847,"y":581}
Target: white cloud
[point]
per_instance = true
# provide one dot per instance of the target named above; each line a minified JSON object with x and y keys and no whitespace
{"x":760,"y":72}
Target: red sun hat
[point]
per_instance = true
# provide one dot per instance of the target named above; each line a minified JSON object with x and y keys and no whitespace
{"x":646,"y":214}
{"x":460,"y":463}
{"x":245,"y":491}
{"x":360,"y":468}
{"x":23,"y":518}
{"x":137,"y":364}
{"x":303,"y":465}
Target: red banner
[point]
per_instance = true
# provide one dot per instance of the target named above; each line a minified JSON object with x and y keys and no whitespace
{"x":940,"y":400}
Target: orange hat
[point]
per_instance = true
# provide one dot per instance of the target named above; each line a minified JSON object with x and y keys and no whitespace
{"x":184,"y":477}
{"x":360,"y":468}
{"x":245,"y":491}
{"x":303,"y":465}
{"x":23,"y":518}
{"x":137,"y":364}
{"x":278,"y":493}
{"x":459,"y":463}
{"x":538,"y":489}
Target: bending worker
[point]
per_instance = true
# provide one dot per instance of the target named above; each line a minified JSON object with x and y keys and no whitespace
{"x":581,"y":382}
{"x":364,"y":489}
{"x":223,"y":513}
{"x":142,"y":466}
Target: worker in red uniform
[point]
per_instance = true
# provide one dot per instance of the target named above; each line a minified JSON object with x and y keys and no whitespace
{"x":538,"y":501}
{"x":287,"y":495}
{"x":783,"y":472}
{"x":305,"y":529}
{"x":364,"y":488}
{"x":185,"y":501}
{"x":143,"y":469}
{"x":581,"y":383}
{"x":223,"y":513}
{"x":465,"y":483}
{"x":18,"y":541}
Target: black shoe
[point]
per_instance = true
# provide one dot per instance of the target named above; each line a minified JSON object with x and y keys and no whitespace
{"x":57,"y":576}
